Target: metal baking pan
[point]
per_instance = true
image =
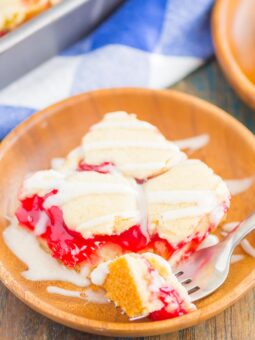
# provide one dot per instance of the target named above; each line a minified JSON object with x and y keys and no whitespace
{"x":44,"y":36}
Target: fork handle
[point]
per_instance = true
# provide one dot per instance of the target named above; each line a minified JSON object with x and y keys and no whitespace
{"x":243,"y":229}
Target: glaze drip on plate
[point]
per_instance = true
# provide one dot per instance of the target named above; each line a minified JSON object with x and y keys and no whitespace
{"x":89,"y":295}
{"x":238,"y":186}
{"x":193,"y":143}
{"x":41,"y":265}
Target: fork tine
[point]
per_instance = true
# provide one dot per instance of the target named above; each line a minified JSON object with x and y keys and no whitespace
{"x":185,"y":282}
{"x":199,"y":294}
{"x":189,"y":286}
{"x":193,"y":289}
{"x":178,"y":273}
{"x":184,"y":277}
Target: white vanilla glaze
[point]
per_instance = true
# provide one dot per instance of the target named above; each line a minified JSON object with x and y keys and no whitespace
{"x":42,"y":182}
{"x":185,"y":213}
{"x":247,"y":247}
{"x":100,"y":273}
{"x":144,"y":166}
{"x":217,"y":214}
{"x":236,"y":258}
{"x":70,"y":186}
{"x":157,"y":281}
{"x":109,"y":218}
{"x":72,"y":160}
{"x":96,"y":296}
{"x":41,"y":265}
{"x":64,"y":292}
{"x":70,"y":163}
{"x":123,"y":120}
{"x":181,"y":196}
{"x":205,"y":201}
{"x":142,"y":206}
{"x":245,"y":244}
{"x":237,"y":186}
{"x":90,"y":295}
{"x":210,"y":240}
{"x":70,"y":191}
{"x":134,"y":124}
{"x":75,"y":153}
{"x":160,"y":145}
{"x":193,"y":143}
{"x":40,"y":226}
{"x":228,"y":227}
{"x":57,"y":163}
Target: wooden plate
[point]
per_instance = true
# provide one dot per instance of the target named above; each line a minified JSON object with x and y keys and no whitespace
{"x":233,"y":28}
{"x":54,"y":131}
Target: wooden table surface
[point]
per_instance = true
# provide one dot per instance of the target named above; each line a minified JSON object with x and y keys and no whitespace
{"x":17,"y":321}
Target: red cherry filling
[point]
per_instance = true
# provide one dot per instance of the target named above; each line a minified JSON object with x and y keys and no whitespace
{"x":102,"y":168}
{"x":72,"y":248}
{"x":3,"y":32}
{"x":169,"y":297}
{"x":165,"y":249}
{"x":67,"y":245}
{"x":161,"y":247}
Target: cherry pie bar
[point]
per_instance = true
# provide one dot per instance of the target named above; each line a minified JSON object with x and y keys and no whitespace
{"x":136,"y":148}
{"x":125,"y":190}
{"x":15,"y":12}
{"x":143,"y":285}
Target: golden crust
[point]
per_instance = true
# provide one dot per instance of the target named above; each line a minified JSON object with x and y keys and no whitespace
{"x":116,"y":283}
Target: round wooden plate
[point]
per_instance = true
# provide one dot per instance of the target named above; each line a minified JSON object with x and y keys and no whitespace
{"x":233,"y":28}
{"x":56,"y":130}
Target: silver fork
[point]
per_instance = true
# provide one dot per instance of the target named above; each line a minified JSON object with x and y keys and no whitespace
{"x":207,"y":269}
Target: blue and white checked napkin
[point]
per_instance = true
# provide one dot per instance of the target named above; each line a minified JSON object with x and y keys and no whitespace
{"x":146,"y":43}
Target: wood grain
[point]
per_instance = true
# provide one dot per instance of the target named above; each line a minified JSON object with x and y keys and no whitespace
{"x":233,"y":34}
{"x":228,"y":325}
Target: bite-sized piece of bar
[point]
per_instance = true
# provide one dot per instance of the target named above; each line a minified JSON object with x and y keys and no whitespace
{"x":143,"y":285}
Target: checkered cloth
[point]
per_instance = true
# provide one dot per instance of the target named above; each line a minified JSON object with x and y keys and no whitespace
{"x":151,"y":43}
